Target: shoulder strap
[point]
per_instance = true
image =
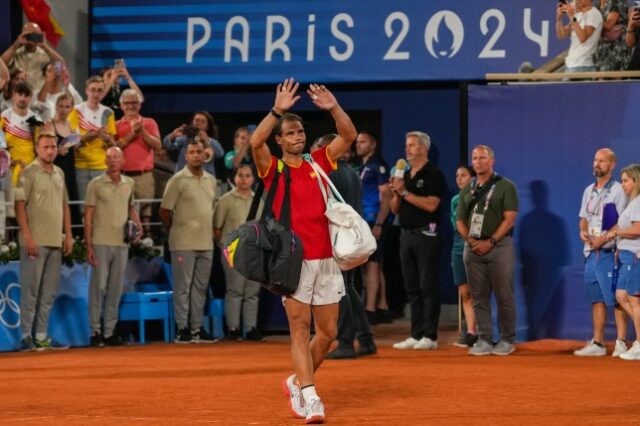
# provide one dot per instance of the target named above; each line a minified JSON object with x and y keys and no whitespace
{"x":479,"y":195}
{"x":321,"y":175}
{"x":268,"y":204}
{"x":285,"y":211}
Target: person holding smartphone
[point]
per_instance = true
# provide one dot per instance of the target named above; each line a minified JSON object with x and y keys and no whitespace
{"x":584,"y":27}
{"x":633,"y":35}
{"x":612,"y":53}
{"x":111,"y":95}
{"x":30,"y":53}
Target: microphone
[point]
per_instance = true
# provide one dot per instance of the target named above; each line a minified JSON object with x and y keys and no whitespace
{"x":401,"y":166}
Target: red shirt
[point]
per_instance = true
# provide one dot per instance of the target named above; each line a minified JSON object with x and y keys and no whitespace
{"x":138,"y":156}
{"x":307,"y":205}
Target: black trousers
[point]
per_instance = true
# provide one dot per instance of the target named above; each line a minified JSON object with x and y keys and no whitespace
{"x":352,"y":320}
{"x":420,"y":258}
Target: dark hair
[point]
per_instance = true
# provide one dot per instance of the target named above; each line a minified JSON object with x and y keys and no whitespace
{"x":9,"y":86}
{"x":212,"y":128}
{"x":287,"y":116}
{"x":242,"y":166}
{"x":467,"y":168}
{"x":325,"y":140}
{"x":371,"y":134}
{"x":23,"y":88}
{"x":44,"y":67}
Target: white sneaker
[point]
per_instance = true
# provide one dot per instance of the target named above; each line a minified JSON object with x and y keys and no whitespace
{"x":410,"y":343}
{"x":426,"y":344}
{"x":315,"y":411}
{"x":619,"y":349}
{"x":632,"y":354}
{"x":591,"y":349}
{"x":294,"y":394}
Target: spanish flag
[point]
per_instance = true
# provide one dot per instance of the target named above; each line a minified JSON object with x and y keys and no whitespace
{"x":39,"y":12}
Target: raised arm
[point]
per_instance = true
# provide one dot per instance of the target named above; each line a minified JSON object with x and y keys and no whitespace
{"x":324,"y":99}
{"x":285,"y":99}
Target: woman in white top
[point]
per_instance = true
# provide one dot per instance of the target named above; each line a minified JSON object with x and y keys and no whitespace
{"x":627,"y":236}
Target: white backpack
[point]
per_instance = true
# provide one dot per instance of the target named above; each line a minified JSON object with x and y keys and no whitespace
{"x":351,"y":237}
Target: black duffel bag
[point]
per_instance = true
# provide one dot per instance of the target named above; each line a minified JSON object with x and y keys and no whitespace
{"x":266,"y":250}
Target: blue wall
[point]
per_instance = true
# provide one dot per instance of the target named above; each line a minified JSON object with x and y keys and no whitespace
{"x":545,"y":137}
{"x":435,"y":111}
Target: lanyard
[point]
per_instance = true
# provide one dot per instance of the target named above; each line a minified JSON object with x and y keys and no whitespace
{"x":488,"y":196}
{"x":599,"y":197}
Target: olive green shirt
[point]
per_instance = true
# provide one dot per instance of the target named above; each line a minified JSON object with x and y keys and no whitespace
{"x":231,"y":212}
{"x":504,"y":198}
{"x":111,"y":201}
{"x":192,"y":200}
{"x":44,"y":195}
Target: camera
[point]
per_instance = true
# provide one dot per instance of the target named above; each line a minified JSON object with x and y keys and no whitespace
{"x":34,"y":37}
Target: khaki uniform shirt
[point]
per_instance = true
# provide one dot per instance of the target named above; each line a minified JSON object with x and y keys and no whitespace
{"x":192,"y":200}
{"x":231,"y":212}
{"x":31,"y":63}
{"x":44,"y":195}
{"x":111,"y":201}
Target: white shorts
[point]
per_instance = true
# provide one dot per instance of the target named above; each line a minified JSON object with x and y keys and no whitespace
{"x":321,"y":282}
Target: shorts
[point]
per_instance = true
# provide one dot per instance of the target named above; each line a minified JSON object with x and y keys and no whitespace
{"x":459,"y":272}
{"x":598,"y":271}
{"x":628,"y":273}
{"x":144,"y":188}
{"x":321,"y":282}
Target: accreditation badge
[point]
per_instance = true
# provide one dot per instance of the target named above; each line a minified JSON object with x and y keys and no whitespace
{"x":475,"y":228}
{"x":595,"y":226}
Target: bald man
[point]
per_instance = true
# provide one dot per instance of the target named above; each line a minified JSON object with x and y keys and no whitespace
{"x":30,"y":53}
{"x":602,"y":203}
{"x":109,"y":204}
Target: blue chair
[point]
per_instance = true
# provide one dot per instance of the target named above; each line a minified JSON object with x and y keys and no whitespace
{"x":140,"y":306}
{"x":214,"y":310}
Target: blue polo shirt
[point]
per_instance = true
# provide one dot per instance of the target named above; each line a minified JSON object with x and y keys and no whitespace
{"x":373,"y":173}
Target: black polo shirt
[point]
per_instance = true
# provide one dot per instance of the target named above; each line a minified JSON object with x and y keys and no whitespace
{"x":428,"y":181}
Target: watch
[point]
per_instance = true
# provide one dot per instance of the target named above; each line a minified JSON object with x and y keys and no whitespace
{"x":493,"y":241}
{"x":404,"y":193}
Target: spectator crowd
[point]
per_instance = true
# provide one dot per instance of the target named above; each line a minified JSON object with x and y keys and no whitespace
{"x":57,"y":146}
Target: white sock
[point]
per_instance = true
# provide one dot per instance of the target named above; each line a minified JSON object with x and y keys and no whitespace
{"x":41,"y":336}
{"x":309,"y":393}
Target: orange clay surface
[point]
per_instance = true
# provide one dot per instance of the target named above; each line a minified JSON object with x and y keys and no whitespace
{"x":239,"y":384}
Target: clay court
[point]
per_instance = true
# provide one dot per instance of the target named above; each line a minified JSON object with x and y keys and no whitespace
{"x":239,"y":384}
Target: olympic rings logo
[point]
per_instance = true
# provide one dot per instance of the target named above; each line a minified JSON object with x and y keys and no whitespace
{"x":6,"y":302}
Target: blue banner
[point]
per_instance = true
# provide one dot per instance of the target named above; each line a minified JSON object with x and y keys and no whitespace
{"x":166,"y":42}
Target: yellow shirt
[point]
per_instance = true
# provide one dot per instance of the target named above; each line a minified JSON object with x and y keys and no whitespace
{"x":92,"y":154}
{"x":19,"y":138}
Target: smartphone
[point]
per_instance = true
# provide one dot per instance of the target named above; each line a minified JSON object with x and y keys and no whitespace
{"x":636,"y":6}
{"x":35,"y":37}
{"x":57,"y":67}
{"x":118,"y":64}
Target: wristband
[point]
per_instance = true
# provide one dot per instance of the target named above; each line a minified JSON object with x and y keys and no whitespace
{"x":404,"y":193}
{"x":493,"y":241}
{"x":275,"y":114}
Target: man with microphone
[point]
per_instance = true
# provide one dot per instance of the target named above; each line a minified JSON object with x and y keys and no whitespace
{"x":416,"y":200}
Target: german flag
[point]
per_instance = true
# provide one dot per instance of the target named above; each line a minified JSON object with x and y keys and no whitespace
{"x":39,"y":12}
